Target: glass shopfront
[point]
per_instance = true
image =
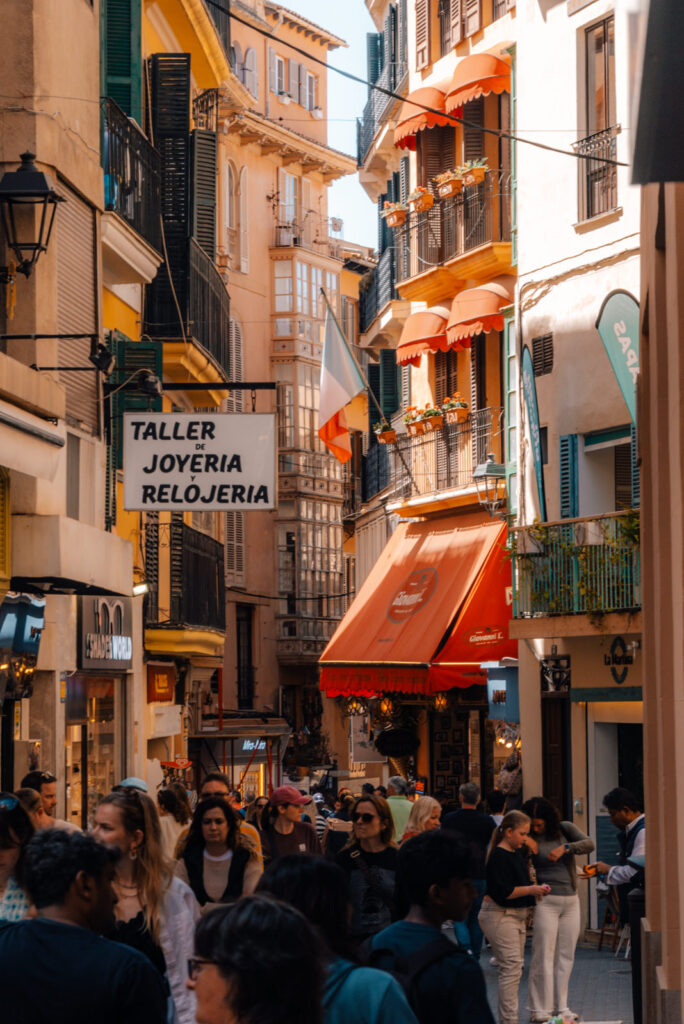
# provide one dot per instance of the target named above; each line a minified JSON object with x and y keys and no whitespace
{"x":94,"y":742}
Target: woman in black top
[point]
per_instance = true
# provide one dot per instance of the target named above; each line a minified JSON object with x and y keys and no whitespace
{"x":370,"y":861}
{"x":503,"y":917}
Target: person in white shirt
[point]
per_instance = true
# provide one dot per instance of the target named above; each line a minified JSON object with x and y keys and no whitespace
{"x":626,"y":814}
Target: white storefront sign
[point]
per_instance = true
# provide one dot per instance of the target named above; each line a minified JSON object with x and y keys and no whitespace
{"x":185,"y":461}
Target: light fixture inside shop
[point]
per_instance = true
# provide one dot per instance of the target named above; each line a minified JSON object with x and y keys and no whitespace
{"x":387,"y":707}
{"x":28,"y":203}
{"x":440,"y":703}
{"x":140,"y":588}
{"x":508,"y":736}
{"x":356,"y":706}
{"x":488,"y":477}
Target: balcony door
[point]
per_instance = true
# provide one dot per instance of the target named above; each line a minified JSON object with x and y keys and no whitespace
{"x":556,"y":752}
{"x":436,"y":153}
{"x":244,"y":614}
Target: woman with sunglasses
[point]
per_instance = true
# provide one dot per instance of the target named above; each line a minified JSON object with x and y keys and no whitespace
{"x":15,"y":831}
{"x":370,"y":861}
{"x":254,"y":810}
{"x":155,"y":912}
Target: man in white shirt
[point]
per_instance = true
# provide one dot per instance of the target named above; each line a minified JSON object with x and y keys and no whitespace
{"x":45,"y":784}
{"x":626,"y":814}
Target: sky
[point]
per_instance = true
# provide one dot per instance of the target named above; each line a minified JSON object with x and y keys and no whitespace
{"x":349,"y":20}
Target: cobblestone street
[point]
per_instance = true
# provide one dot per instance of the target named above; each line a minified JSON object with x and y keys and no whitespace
{"x":600,"y":987}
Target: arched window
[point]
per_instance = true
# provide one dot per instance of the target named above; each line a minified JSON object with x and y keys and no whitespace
{"x":243,"y":205}
{"x":250,"y":75}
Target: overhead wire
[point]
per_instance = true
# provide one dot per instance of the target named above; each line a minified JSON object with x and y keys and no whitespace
{"x":499,"y":132}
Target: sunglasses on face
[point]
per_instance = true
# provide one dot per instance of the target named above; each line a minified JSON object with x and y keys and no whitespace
{"x":195,"y":965}
{"x":261,"y":806}
{"x":364,"y":818}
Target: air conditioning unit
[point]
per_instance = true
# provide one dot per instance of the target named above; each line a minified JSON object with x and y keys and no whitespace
{"x":317,"y":112}
{"x":284,"y":97}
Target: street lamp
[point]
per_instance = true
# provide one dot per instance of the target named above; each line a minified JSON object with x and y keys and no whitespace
{"x":487,"y":477}
{"x":27,"y":187}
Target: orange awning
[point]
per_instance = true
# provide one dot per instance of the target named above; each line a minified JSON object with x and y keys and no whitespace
{"x":415,"y":592}
{"x":477,"y":75}
{"x":477,"y":311}
{"x":422,"y":332}
{"x":413,"y":117}
{"x":481,"y":632}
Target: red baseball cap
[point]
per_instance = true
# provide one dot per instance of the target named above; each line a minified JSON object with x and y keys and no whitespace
{"x":288,"y":795}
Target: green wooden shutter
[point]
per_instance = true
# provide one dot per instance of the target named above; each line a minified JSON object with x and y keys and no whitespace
{"x":389,"y":382}
{"x":569,"y":496}
{"x":404,"y":179}
{"x":374,"y":51}
{"x":636,"y":472}
{"x":203,"y":190}
{"x":121,"y":54}
{"x":129,"y":357}
{"x":402,"y":38}
{"x":373,"y":376}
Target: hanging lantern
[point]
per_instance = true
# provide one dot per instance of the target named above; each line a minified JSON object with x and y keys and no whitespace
{"x":440,"y":702}
{"x":356,"y":706}
{"x":387,"y":708}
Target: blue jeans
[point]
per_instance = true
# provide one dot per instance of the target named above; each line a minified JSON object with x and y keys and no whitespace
{"x":468,"y":932}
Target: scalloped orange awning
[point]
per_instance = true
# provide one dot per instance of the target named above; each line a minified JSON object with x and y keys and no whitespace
{"x":477,"y":75}
{"x":477,"y":311}
{"x":413,"y":118}
{"x":423,"y":332}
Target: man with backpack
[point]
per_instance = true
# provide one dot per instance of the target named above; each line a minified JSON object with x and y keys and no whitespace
{"x":442,"y":980}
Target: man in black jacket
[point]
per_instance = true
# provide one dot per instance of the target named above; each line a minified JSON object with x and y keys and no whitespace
{"x":476,"y":829}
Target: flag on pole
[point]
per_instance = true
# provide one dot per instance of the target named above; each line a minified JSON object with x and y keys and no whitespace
{"x":341,"y":381}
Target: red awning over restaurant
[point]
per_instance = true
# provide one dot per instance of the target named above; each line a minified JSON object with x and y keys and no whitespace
{"x":413,"y":117}
{"x":477,"y":75}
{"x":423,"y":332}
{"x":477,"y":311}
{"x":413,"y":598}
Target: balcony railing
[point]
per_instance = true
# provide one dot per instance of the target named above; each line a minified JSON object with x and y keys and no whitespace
{"x":391,"y":77}
{"x":197,"y":579}
{"x":132,"y":174}
{"x":445,"y":459}
{"x":597,"y":184}
{"x":381,"y":290}
{"x":310,"y":231}
{"x":577,"y":567}
{"x":453,"y":227}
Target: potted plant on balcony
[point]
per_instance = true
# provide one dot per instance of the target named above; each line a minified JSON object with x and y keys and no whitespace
{"x":413,"y":421}
{"x":384,"y":433}
{"x":455,"y":409}
{"x":394,"y":214}
{"x":420,"y":200}
{"x":432,"y":418}
{"x":474,"y":171}
{"x":449,"y":183}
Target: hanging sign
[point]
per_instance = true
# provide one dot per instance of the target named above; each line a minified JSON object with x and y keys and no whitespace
{"x":530,"y":392}
{"x":618,"y":325}
{"x":200,"y":462}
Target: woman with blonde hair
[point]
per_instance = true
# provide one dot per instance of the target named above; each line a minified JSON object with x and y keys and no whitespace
{"x":370,"y":860}
{"x":424,"y":816}
{"x":510,"y":896}
{"x":155,"y":912}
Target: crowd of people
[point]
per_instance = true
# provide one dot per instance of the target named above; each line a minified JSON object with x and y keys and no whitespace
{"x":297,"y":908}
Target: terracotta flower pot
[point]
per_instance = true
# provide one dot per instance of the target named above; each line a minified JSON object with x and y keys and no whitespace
{"x":474,"y":176}
{"x":456,"y":415}
{"x":422,"y":202}
{"x":386,"y":436}
{"x":450,"y":188}
{"x":396,"y":218}
{"x":416,"y":428}
{"x":433,"y":422}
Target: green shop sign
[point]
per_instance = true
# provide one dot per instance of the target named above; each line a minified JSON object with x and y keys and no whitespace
{"x":618,"y":325}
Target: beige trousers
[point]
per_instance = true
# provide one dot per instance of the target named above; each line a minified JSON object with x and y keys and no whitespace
{"x":505,"y":932}
{"x":555,"y":935}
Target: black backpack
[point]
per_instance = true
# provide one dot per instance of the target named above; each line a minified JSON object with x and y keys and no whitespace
{"x":407,"y":969}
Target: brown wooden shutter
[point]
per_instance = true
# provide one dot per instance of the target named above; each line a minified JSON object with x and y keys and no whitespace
{"x":456,"y":21}
{"x":77,"y":307}
{"x":440,"y":377}
{"x":473,"y":137}
{"x":422,"y":34}
{"x":472,"y":16}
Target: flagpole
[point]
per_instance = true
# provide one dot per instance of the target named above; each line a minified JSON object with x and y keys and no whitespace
{"x":368,"y":387}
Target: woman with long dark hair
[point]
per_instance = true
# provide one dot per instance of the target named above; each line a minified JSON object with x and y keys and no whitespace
{"x":554,"y":845}
{"x":15,"y":831}
{"x":370,"y":861}
{"x":320,"y":890}
{"x":218,"y":862}
{"x":155,"y":912}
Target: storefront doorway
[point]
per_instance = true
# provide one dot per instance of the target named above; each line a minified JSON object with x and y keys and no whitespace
{"x":94,"y":741}
{"x":462,"y":744}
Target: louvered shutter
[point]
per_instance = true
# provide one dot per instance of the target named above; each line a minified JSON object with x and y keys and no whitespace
{"x":422,"y":34}
{"x":77,"y":307}
{"x":244,"y":222}
{"x":402,"y":37}
{"x":203,"y":190}
{"x":272,"y":72}
{"x":251,"y":72}
{"x":389,"y":42}
{"x":441,"y":384}
{"x":235,"y":548}
{"x":472,"y":16}
{"x":129,"y":358}
{"x":623,"y":476}
{"x":303,"y":88}
{"x":456,"y":20}
{"x":473,"y":136}
{"x":234,"y":400}
{"x":636,"y":471}
{"x":403,"y":178}
{"x":569,"y":497}
{"x":440,"y":392}
{"x":120,"y":22}
{"x":389,"y":382}
{"x":151,"y":600}
{"x":293,"y":81}
{"x":373,"y":376}
{"x":405,"y":387}
{"x":374,"y":52}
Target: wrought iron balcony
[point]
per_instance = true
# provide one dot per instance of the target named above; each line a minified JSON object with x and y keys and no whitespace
{"x":196,"y":594}
{"x":391,"y":77}
{"x":444,"y":459}
{"x":379,"y":291}
{"x":597,"y":182}
{"x":453,"y":227}
{"x":577,"y":566}
{"x":132,"y":174}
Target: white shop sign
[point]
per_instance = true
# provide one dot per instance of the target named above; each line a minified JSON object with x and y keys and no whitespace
{"x":184,"y":461}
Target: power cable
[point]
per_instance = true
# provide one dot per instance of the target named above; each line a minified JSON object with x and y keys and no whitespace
{"x":421,"y":106}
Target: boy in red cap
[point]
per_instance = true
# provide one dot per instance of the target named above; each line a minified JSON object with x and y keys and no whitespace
{"x":283,"y":830}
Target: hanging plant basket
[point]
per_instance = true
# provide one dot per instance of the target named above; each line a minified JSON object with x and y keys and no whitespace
{"x":474,"y":175}
{"x":450,"y":188}
{"x":386,"y":436}
{"x":456,"y":415}
{"x":396,"y":218}
{"x":415,"y":428}
{"x":433,"y":423}
{"x":421,"y":202}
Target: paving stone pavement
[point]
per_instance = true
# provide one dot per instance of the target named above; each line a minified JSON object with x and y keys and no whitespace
{"x":600,"y":986}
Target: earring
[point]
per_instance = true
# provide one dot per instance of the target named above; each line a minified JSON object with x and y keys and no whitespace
{"x":133,"y":854}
